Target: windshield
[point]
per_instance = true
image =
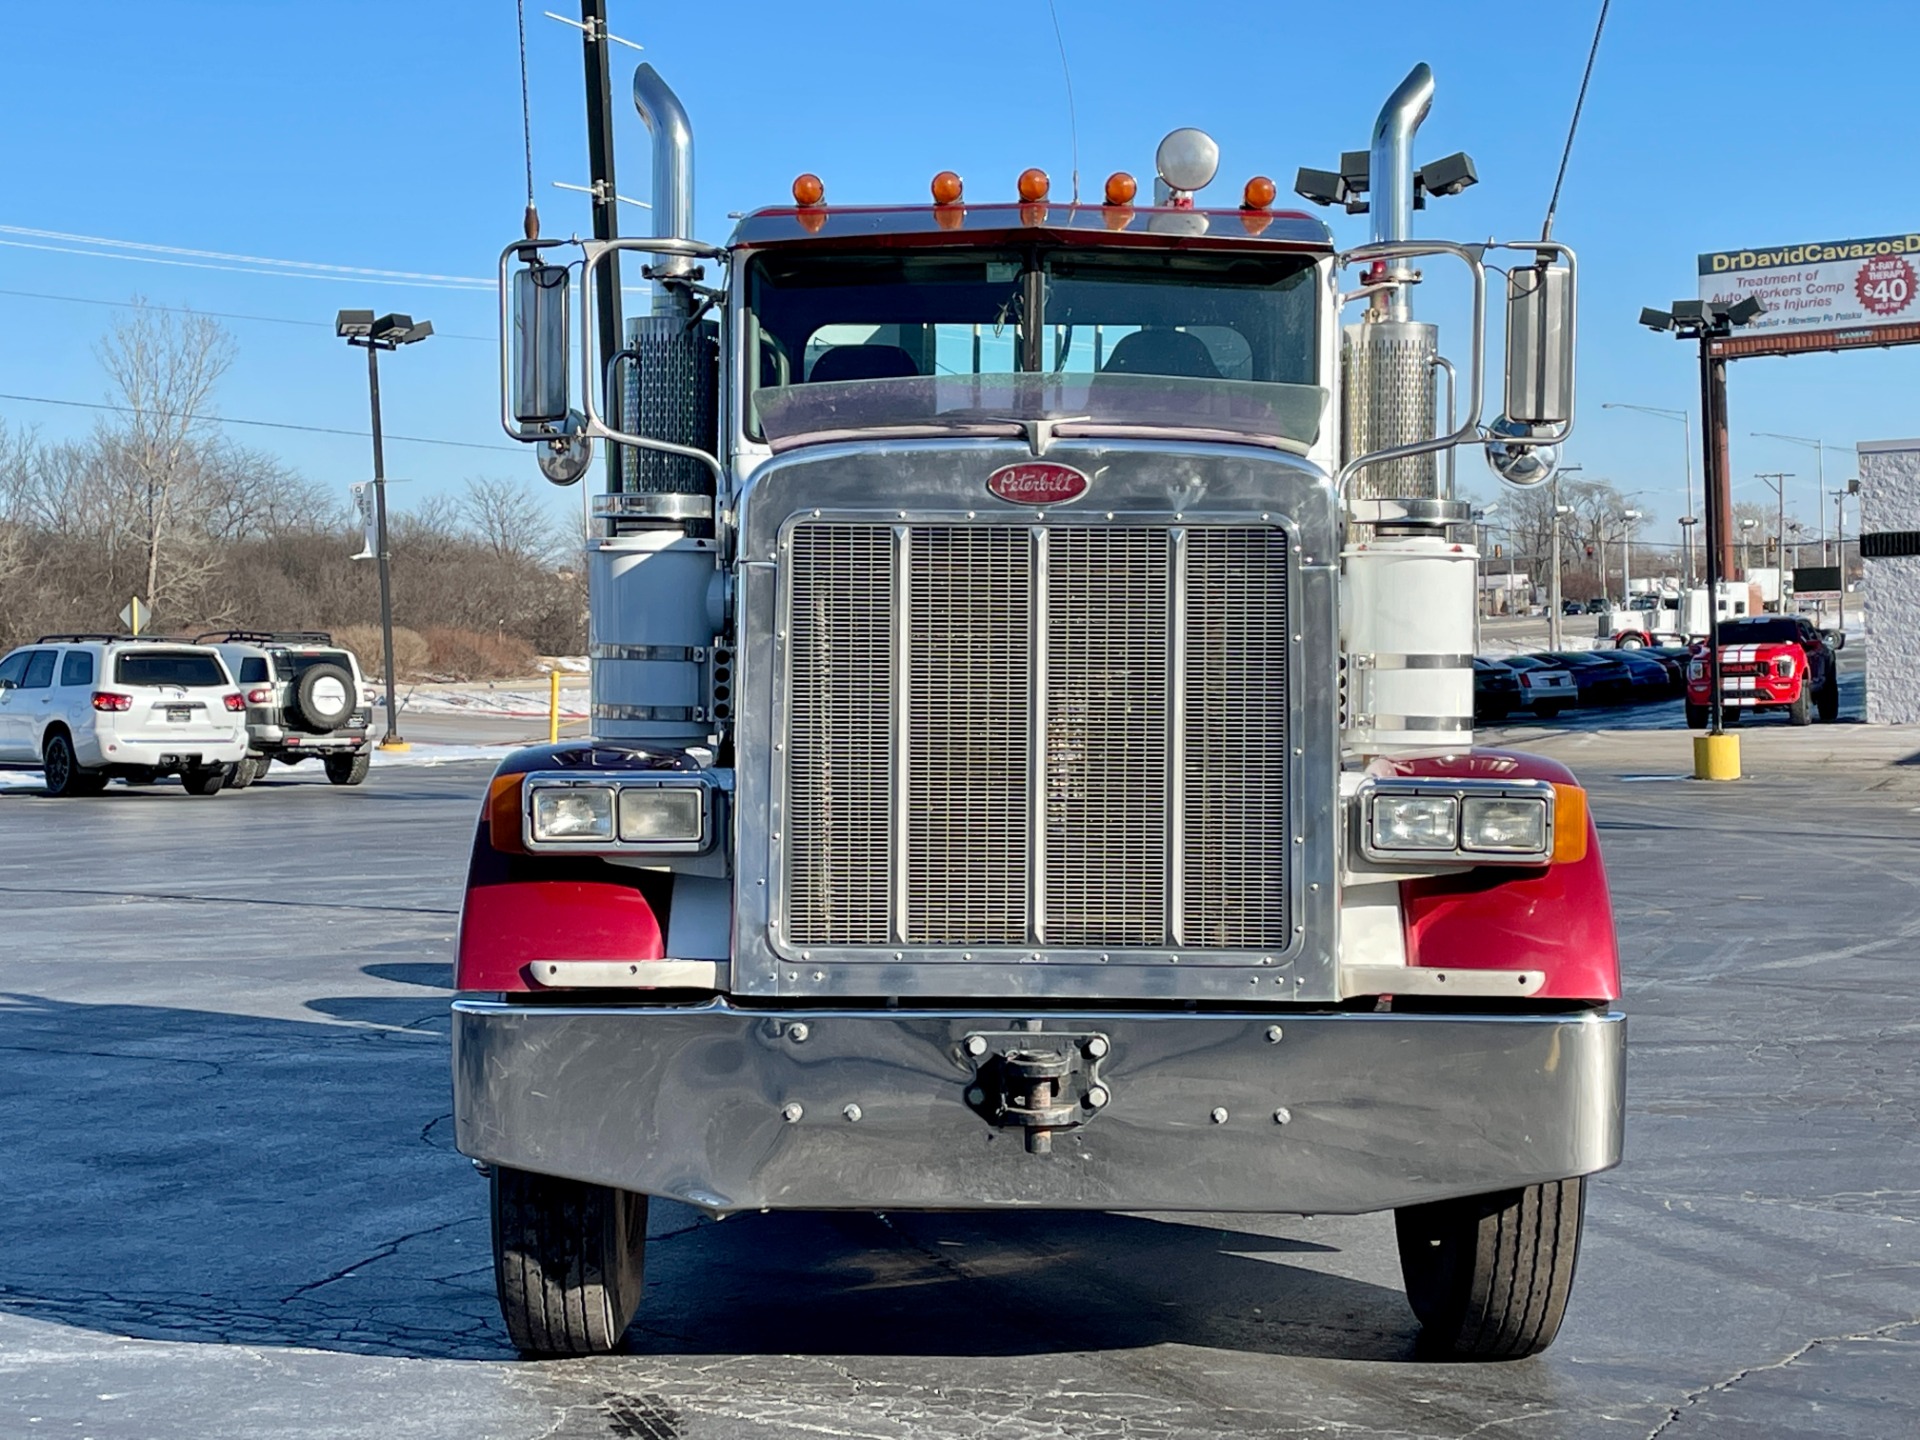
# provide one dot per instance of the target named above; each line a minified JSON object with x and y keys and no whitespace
{"x":195,"y":668}
{"x":973,"y":342}
{"x":1759,"y":632}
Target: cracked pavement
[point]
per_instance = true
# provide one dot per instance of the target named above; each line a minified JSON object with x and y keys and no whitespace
{"x":229,"y":1206}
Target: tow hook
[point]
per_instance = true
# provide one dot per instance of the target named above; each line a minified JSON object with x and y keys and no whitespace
{"x":1037,"y":1082}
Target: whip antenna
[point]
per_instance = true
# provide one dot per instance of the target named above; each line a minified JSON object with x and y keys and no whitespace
{"x":1546,"y":230}
{"x":526,"y":125}
{"x":1073,"y":122}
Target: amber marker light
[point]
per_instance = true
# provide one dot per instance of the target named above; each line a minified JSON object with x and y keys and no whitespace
{"x":1569,"y":824}
{"x":1034,"y":184}
{"x":808,"y":189}
{"x":1259,"y":193}
{"x":1121,"y":188}
{"x":947,"y":188}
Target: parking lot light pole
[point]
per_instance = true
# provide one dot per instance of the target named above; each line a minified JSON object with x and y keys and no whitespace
{"x":389,"y":332}
{"x":1685,"y":417}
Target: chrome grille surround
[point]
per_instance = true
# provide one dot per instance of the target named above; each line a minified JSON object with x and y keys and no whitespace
{"x":1140,"y":487}
{"x":1088,"y":742}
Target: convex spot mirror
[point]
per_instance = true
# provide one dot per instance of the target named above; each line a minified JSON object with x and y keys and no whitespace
{"x":540,"y":350}
{"x":1540,"y":344}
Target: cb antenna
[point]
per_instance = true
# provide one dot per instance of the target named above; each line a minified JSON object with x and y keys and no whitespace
{"x":532,"y":218}
{"x":1546,"y":229}
{"x":1073,"y":122}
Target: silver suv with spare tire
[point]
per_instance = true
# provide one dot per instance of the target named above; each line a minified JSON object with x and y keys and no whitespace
{"x":306,"y":699}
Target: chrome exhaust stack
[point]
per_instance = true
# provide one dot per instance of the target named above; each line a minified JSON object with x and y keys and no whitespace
{"x":666,"y":121}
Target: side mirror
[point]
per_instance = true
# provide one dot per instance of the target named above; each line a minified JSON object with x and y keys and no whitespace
{"x":541,"y":354}
{"x":1540,"y":344}
{"x":6,"y":685}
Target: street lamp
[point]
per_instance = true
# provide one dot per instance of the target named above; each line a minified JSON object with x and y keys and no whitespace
{"x":1703,"y":323}
{"x":1746,"y":539}
{"x":1819,"y":447}
{"x":389,"y":332}
{"x":1553,"y":593}
{"x":1685,"y":418}
{"x":1626,"y":558}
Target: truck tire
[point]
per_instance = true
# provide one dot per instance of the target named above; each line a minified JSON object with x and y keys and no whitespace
{"x":65,"y":775}
{"x":209,"y":781}
{"x":1696,"y":716}
{"x":323,"y":699}
{"x":1800,"y":712}
{"x":1489,"y":1275}
{"x":569,"y":1261}
{"x":348,"y":769}
{"x":1828,"y":700}
{"x":245,"y":772}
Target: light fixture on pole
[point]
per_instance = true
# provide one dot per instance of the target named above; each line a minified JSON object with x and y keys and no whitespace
{"x":388,"y":332}
{"x":1685,"y":417}
{"x":1819,"y":448}
{"x":1554,"y":601}
{"x":1717,"y":755}
{"x":1626,"y":557}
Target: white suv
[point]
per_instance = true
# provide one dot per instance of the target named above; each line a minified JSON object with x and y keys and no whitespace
{"x":86,"y":708}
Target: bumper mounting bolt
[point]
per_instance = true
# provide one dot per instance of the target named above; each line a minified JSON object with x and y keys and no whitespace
{"x":1282,"y":1115}
{"x":791,"y":1113}
{"x":1274,"y":1034}
{"x":1219,"y":1116}
{"x":976,"y":1045}
{"x":1097,"y":1046}
{"x":798,"y":1032}
{"x":1097,"y":1096}
{"x":976,"y":1096}
{"x":852,"y":1112}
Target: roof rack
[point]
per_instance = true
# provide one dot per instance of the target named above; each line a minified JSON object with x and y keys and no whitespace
{"x":83,"y":637}
{"x":266,"y":637}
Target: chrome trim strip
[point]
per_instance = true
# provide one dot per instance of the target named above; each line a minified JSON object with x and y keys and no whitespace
{"x":631,"y":974}
{"x":1423,"y":980}
{"x":649,"y":712}
{"x":675,"y":653}
{"x":730,"y":1109}
{"x":1439,"y":724}
{"x":1413,"y":662}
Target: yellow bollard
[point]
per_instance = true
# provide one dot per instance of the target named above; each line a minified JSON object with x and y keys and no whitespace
{"x":553,"y":707}
{"x":1716,"y":757}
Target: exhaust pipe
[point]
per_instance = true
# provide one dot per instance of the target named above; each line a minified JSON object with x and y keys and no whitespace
{"x":666,"y":121}
{"x":1390,"y":170}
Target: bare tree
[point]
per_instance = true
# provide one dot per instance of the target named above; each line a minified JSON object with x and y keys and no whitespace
{"x":164,"y":367}
{"x":506,"y":518}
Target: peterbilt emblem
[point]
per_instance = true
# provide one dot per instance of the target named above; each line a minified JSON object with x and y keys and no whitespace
{"x":1038,"y":482}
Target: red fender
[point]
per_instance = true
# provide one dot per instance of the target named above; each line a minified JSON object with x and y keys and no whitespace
{"x":1556,"y":918}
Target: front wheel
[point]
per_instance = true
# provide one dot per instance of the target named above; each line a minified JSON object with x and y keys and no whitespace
{"x":209,"y":781}
{"x":569,"y":1261}
{"x":348,"y":769}
{"x":244,"y":772}
{"x":1696,"y":716}
{"x":1489,"y":1275}
{"x":1800,"y":712}
{"x":1828,"y":702}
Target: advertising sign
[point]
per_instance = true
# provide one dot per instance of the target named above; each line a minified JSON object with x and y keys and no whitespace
{"x":1820,"y":295}
{"x":364,"y":510}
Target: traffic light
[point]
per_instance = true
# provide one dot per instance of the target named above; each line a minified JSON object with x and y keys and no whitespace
{"x":1589,"y":552}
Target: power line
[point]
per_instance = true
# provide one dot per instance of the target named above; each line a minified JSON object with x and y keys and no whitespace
{"x":235,"y":269}
{"x":261,"y":424}
{"x":263,"y":260}
{"x":213,"y":314}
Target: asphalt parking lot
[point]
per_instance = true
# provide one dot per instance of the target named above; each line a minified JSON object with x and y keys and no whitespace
{"x":229,"y":1205}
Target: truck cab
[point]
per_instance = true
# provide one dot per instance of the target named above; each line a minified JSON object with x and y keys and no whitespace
{"x":1032,"y":754}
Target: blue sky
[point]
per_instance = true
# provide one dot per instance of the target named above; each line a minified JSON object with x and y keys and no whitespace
{"x":387,"y":136}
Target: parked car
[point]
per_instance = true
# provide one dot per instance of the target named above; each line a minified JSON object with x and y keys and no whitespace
{"x":87,"y":708}
{"x":1572,"y":607}
{"x":1599,"y":605}
{"x":305,"y":698}
{"x":1652,"y":679}
{"x":1545,"y":687}
{"x":1600,"y":679}
{"x":1768,"y":662}
{"x":1496,"y":691}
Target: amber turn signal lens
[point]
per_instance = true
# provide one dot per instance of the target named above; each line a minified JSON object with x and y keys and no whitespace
{"x":1034,"y":184}
{"x":946,"y":188}
{"x":503,"y":814}
{"x":1121,"y":188}
{"x":808,"y":190}
{"x":1569,"y":824}
{"x":1259,"y":193}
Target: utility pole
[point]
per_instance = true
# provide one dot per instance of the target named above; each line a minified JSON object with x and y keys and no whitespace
{"x":1778,"y":480}
{"x":594,"y":42}
{"x":1553,"y":574}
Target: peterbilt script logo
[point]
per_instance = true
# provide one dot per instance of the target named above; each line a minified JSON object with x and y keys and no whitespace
{"x":1038,"y":482}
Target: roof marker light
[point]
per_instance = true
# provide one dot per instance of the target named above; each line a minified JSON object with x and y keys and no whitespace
{"x":947,"y":188}
{"x":1034,"y":184}
{"x":1259,"y":194}
{"x":808,"y":189}
{"x":1121,"y":188}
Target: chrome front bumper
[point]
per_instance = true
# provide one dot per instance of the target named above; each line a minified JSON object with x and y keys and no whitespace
{"x":1342,"y":1113}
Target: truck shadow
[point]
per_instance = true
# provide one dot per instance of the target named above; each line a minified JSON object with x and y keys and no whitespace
{"x":199,"y":1176}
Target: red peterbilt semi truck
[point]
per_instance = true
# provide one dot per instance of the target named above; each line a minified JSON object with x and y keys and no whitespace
{"x":1032,"y":759}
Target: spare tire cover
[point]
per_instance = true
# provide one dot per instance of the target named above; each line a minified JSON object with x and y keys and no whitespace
{"x":323,"y":698}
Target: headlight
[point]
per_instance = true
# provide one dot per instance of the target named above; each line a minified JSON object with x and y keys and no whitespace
{"x":1414,"y":822}
{"x":1783,"y":666}
{"x":572,"y":812}
{"x":663,"y":814}
{"x":1508,"y":825}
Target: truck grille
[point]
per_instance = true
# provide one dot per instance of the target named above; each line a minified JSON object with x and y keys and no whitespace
{"x":1003,"y":736}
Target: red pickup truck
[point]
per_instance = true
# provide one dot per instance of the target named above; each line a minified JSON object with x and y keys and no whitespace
{"x":1768,"y":662}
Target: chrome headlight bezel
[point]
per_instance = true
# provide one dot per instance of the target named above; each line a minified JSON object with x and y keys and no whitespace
{"x":1467,"y":796}
{"x":695,"y":840}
